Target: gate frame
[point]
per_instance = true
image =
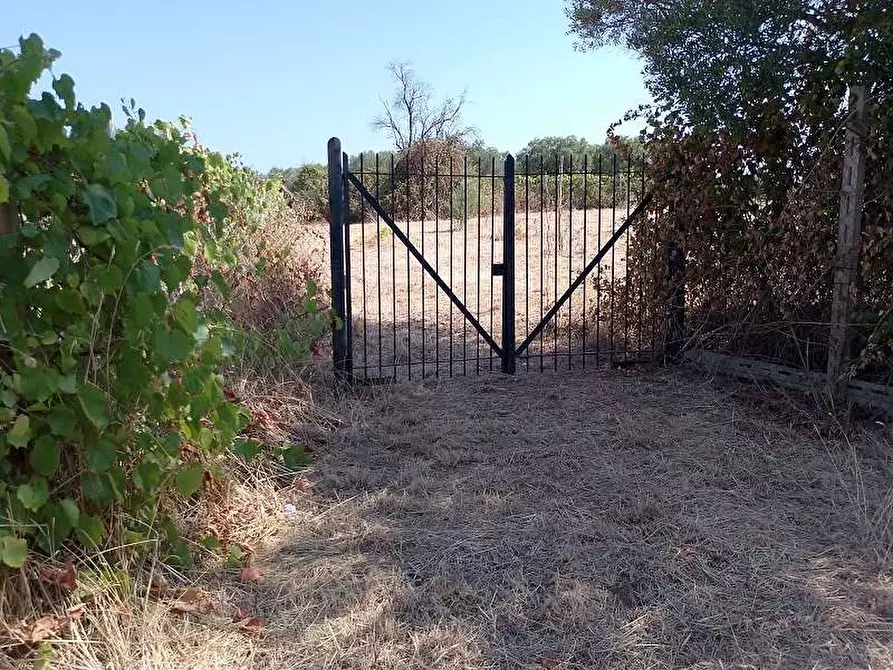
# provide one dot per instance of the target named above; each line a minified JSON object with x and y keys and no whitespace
{"x":340,"y":177}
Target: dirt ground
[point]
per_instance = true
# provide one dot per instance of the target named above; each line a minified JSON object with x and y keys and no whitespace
{"x":586,"y":520}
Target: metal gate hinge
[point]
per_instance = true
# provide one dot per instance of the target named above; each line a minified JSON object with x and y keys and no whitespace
{"x":499,"y":269}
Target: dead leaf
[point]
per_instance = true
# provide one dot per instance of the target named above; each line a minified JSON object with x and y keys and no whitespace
{"x":46,"y":627}
{"x":301,"y":485}
{"x":76,"y":611}
{"x":191,"y":595}
{"x":193,"y":601}
{"x":251,"y":625}
{"x":157,"y":588}
{"x":250,"y":574}
{"x":178,"y":607}
{"x":65,"y":577}
{"x":241,"y":613}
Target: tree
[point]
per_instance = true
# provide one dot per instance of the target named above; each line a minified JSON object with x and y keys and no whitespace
{"x":551,"y":150}
{"x":485,"y":156}
{"x":412,"y":116}
{"x":748,"y":123}
{"x":308,"y":184}
{"x":742,"y":66}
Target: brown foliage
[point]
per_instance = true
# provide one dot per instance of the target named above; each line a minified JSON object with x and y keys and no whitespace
{"x":759,"y":251}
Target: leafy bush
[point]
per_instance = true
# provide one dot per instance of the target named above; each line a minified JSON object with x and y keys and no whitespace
{"x":271,"y":290}
{"x":308,"y":189}
{"x":110,"y":392}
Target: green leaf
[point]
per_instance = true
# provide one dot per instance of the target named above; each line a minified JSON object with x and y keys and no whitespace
{"x":93,"y":403}
{"x":38,"y":383}
{"x":13,"y":551}
{"x":294,"y":456}
{"x":62,"y":421}
{"x":101,"y":204}
{"x":100,"y":455}
{"x":64,"y":88}
{"x":4,"y":189}
{"x":20,"y":432}
{"x":41,"y":271}
{"x":185,"y":314}
{"x":5,"y":148}
{"x":247,"y":450}
{"x":148,"y":476}
{"x":235,"y":556}
{"x":45,"y":456}
{"x":68,"y":384}
{"x":70,"y":510}
{"x":44,"y":657}
{"x":92,"y":236}
{"x":110,"y":279}
{"x":34,"y":495}
{"x":189,"y":480}
{"x":173,"y":345}
{"x":180,"y":555}
{"x":91,"y":530}
{"x":220,"y":283}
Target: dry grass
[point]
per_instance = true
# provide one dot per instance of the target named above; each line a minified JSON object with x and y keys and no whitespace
{"x":576,"y":521}
{"x":597,"y":521}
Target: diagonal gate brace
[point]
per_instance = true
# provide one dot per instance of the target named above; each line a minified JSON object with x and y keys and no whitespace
{"x":635,"y":214}
{"x":370,"y":199}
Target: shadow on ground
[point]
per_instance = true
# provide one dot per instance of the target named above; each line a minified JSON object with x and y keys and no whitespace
{"x":587,"y":520}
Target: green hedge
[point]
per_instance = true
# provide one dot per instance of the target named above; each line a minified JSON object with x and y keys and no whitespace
{"x":110,"y":391}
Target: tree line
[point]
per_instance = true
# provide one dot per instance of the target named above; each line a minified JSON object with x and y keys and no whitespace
{"x":430,"y":137}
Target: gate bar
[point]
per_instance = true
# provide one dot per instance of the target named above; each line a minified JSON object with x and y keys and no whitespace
{"x":400,"y":235}
{"x":508,"y":275}
{"x":636,"y":213}
{"x":337,"y":220}
{"x":348,"y":300}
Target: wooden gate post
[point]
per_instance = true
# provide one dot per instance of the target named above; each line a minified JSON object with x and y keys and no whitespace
{"x":336,"y":238}
{"x":849,"y":234}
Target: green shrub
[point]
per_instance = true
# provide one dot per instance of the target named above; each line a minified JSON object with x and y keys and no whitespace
{"x":110,"y":393}
{"x":271,"y":289}
{"x":308,"y":187}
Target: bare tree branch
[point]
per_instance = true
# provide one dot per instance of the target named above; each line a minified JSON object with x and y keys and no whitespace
{"x":412,"y":116}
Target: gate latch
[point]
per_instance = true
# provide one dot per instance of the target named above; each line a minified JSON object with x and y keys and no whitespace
{"x":498,"y":269}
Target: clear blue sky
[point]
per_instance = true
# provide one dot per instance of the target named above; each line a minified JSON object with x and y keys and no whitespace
{"x":274,"y":79}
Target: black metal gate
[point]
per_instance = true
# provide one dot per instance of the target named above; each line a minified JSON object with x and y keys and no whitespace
{"x":440,"y":265}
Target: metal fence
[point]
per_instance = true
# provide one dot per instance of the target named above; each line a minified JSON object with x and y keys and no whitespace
{"x":458,"y":266}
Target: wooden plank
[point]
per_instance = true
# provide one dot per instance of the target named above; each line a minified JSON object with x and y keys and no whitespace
{"x":875,"y":398}
{"x":849,"y":238}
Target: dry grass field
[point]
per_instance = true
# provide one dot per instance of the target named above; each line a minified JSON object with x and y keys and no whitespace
{"x":401,"y":316}
{"x":585,"y":520}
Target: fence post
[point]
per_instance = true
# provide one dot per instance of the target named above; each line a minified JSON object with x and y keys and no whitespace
{"x":348,"y":300}
{"x":508,"y":277}
{"x":675,"y":335}
{"x":336,"y":239}
{"x":849,"y":234}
